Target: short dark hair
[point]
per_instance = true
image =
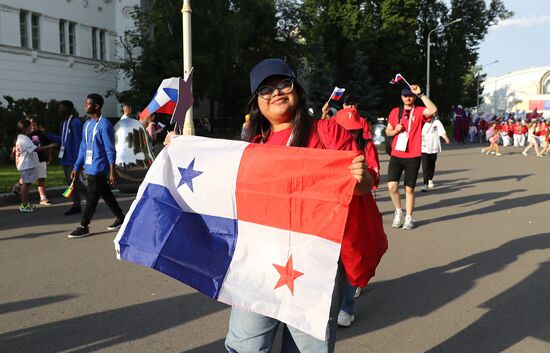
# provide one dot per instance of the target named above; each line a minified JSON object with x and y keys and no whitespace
{"x":96,"y":99}
{"x":350,"y":100}
{"x":23,"y":125}
{"x":68,"y":104}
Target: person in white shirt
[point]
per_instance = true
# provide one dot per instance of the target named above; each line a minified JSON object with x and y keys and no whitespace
{"x":126,"y":111}
{"x":432,"y":131}
{"x":26,"y":161}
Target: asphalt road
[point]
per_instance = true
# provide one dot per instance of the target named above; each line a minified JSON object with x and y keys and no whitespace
{"x":473,"y":277}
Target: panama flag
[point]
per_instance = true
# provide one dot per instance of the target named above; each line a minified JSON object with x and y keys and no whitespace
{"x":337,"y":93}
{"x":255,"y":226}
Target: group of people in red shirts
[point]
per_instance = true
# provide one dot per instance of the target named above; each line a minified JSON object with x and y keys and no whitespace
{"x":533,"y":132}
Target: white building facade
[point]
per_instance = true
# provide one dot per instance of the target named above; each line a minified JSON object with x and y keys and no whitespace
{"x":63,"y":49}
{"x":518,"y":91}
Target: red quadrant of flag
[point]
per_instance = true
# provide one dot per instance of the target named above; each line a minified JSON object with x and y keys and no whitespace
{"x":298,"y":189}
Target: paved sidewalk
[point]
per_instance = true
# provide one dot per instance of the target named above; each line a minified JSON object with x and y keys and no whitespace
{"x":473,"y":277}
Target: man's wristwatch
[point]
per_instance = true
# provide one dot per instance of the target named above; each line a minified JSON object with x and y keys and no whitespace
{"x":420,"y":95}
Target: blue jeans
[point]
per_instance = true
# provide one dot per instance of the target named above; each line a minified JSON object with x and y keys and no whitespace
{"x":254,"y":333}
{"x":348,"y":300}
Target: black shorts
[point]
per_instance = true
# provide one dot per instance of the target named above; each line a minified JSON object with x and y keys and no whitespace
{"x":409,"y":165}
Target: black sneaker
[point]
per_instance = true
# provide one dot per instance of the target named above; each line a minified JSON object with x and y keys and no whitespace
{"x":80,"y":232}
{"x":73,"y":210}
{"x":116,"y":224}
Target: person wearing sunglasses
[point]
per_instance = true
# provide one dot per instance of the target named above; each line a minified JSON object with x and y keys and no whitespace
{"x":279,"y":116}
{"x":405,"y":124}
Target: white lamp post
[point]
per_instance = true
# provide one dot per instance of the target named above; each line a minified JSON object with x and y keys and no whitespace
{"x":428,"y":52}
{"x":188,"y":127}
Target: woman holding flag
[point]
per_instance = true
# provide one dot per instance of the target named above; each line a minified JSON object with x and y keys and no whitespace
{"x":278,"y":116}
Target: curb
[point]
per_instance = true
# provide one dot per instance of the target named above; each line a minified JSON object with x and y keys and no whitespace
{"x":8,"y":198}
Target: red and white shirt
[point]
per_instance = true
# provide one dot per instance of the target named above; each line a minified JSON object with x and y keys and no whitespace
{"x":414,"y":145}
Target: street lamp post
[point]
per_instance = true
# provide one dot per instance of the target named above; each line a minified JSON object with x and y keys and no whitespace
{"x":428,"y":52}
{"x":188,"y":127}
{"x":478,"y":74}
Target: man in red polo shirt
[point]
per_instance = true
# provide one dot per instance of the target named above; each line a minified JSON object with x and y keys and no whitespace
{"x":406,"y":150}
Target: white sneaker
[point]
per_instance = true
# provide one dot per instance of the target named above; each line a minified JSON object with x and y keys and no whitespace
{"x":398,"y":219}
{"x":498,"y":154}
{"x":409,"y":222}
{"x":357,"y":292}
{"x":430,"y":184}
{"x":425,"y":188}
{"x":345,"y":319}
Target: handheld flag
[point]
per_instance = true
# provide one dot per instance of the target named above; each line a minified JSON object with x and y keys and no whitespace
{"x":164,"y":100}
{"x":398,"y":78}
{"x":185,"y":100}
{"x":174,"y":97}
{"x":337,"y":93}
{"x":68,"y":192}
{"x":226,"y":225}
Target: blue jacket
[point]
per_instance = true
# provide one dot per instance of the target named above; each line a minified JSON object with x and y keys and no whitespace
{"x":103,"y":146}
{"x":72,"y":145}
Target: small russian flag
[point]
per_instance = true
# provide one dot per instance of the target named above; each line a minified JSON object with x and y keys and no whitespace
{"x":337,"y":93}
{"x":398,"y":78}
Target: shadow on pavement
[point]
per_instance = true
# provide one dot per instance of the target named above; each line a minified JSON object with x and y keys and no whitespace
{"x":32,"y":303}
{"x":30,"y":235}
{"x":521,"y":311}
{"x":216,"y":346}
{"x":92,"y":332}
{"x":498,"y":205}
{"x":466,"y":201}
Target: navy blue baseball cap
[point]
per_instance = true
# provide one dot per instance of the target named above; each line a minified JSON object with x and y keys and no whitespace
{"x":267,"y":68}
{"x":407,"y":92}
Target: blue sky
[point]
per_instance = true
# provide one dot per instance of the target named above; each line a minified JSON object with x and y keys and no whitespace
{"x":520,"y":42}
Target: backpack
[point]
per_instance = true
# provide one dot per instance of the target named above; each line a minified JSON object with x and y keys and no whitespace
{"x":389,"y":139}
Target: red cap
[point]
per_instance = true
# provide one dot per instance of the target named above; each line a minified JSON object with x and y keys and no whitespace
{"x":349,"y":119}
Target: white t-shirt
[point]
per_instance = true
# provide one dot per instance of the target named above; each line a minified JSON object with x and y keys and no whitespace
{"x":25,"y":157}
{"x":431,"y":132}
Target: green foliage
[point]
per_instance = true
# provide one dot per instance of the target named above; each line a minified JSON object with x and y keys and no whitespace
{"x":357,"y":44}
{"x":21,"y":109}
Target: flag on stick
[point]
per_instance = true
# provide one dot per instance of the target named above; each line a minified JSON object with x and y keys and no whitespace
{"x":173,"y":97}
{"x":68,"y":192}
{"x":337,"y":93}
{"x":398,"y":78}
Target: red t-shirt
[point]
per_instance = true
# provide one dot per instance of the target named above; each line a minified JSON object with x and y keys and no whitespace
{"x":517,"y":128}
{"x":327,"y":135}
{"x":542,"y":129}
{"x":414,"y":145}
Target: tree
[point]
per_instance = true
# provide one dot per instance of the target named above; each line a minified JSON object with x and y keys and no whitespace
{"x":361,"y":84}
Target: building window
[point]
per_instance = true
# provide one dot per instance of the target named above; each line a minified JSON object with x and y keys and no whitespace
{"x":72,"y":38}
{"x":23,"y":29}
{"x":62,"y":44}
{"x":102,"y":44}
{"x":94,"y":43}
{"x":35,"y":30}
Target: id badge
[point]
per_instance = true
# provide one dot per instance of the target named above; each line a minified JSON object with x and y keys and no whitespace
{"x":89,"y":156}
{"x":61,"y":152}
{"x":402,"y":140}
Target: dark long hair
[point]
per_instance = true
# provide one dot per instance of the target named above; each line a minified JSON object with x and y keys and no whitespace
{"x":259,"y":125}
